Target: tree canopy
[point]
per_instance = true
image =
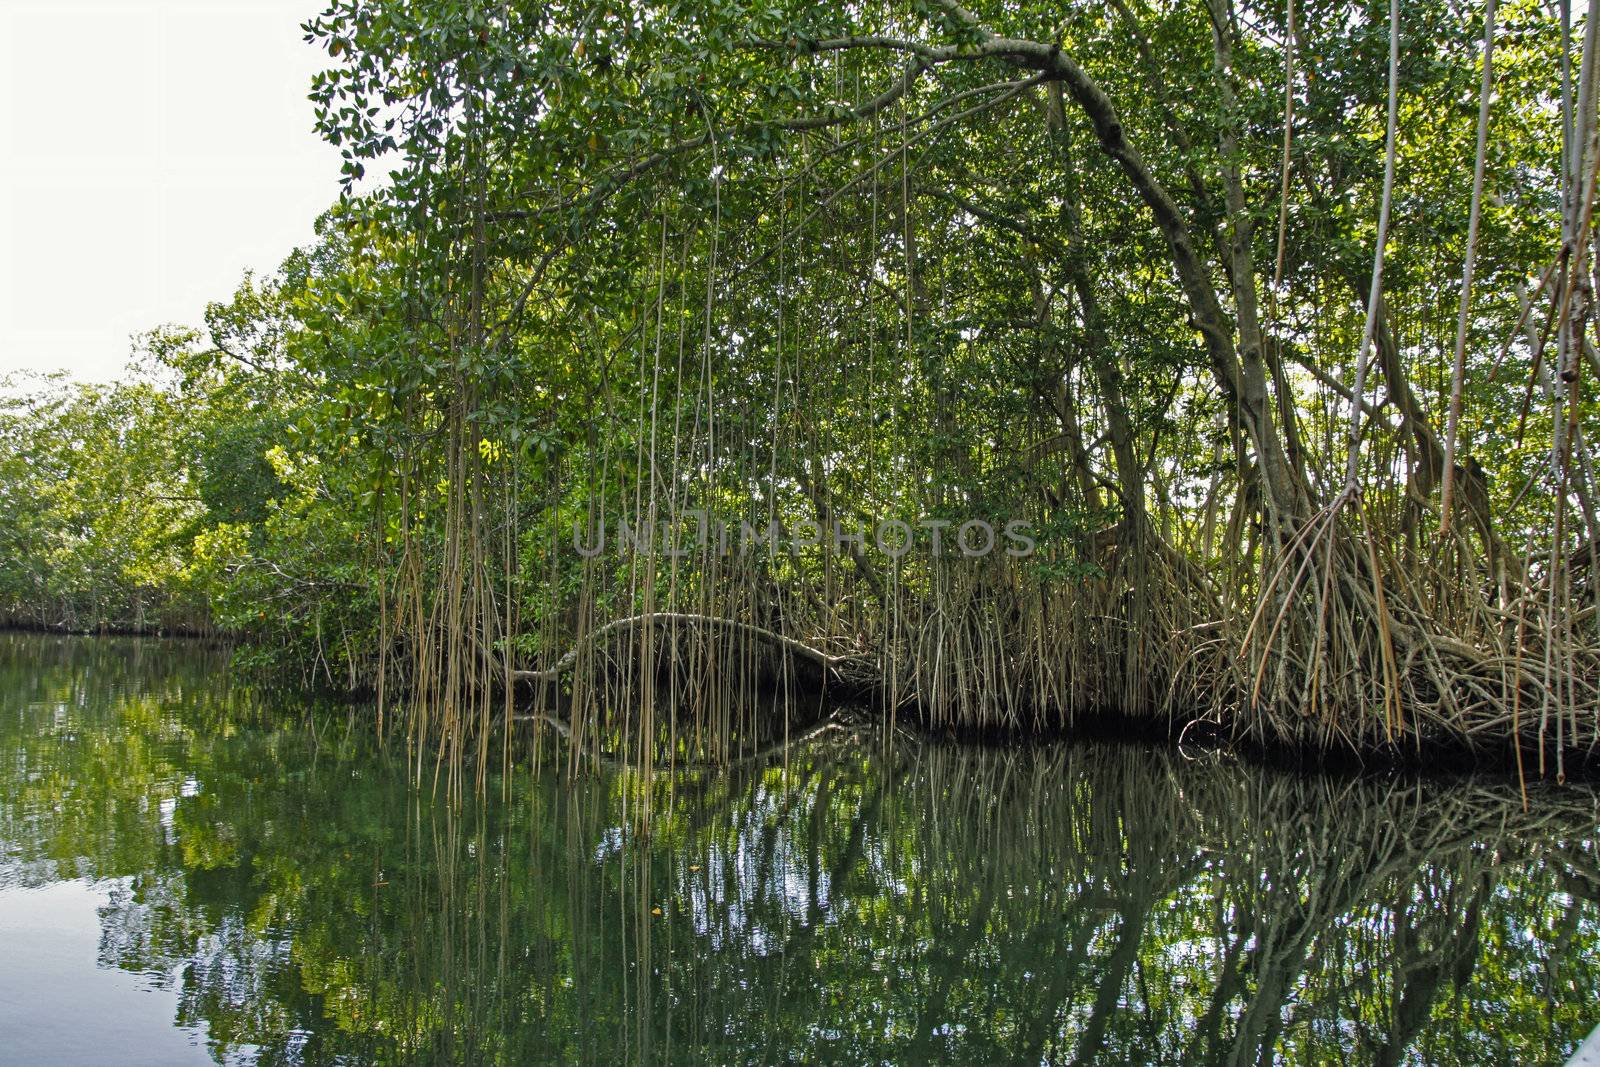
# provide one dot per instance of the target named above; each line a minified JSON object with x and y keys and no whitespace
{"x":1269,"y":322}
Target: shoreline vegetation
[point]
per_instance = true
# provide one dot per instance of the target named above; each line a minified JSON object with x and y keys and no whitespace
{"x":1273,"y":323}
{"x":545,"y":712}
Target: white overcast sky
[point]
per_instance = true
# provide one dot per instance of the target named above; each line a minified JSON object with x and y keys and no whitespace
{"x":150,"y":151}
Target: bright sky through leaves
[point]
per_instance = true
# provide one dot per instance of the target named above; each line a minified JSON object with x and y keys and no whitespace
{"x":154,"y":150}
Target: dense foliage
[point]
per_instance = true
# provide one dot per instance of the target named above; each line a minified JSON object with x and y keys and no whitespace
{"x":94,"y":503}
{"x":1110,"y":271}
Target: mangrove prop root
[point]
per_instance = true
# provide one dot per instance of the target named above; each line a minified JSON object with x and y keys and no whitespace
{"x":823,"y":659}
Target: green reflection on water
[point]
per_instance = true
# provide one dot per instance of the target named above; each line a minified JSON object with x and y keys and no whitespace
{"x":920,"y":903}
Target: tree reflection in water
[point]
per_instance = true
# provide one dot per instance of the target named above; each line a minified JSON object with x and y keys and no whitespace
{"x":864,"y":902}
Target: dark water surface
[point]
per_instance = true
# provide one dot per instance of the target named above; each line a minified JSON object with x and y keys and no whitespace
{"x":188,"y":875}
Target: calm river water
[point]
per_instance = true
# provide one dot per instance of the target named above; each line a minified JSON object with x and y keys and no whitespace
{"x":192,"y":873}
